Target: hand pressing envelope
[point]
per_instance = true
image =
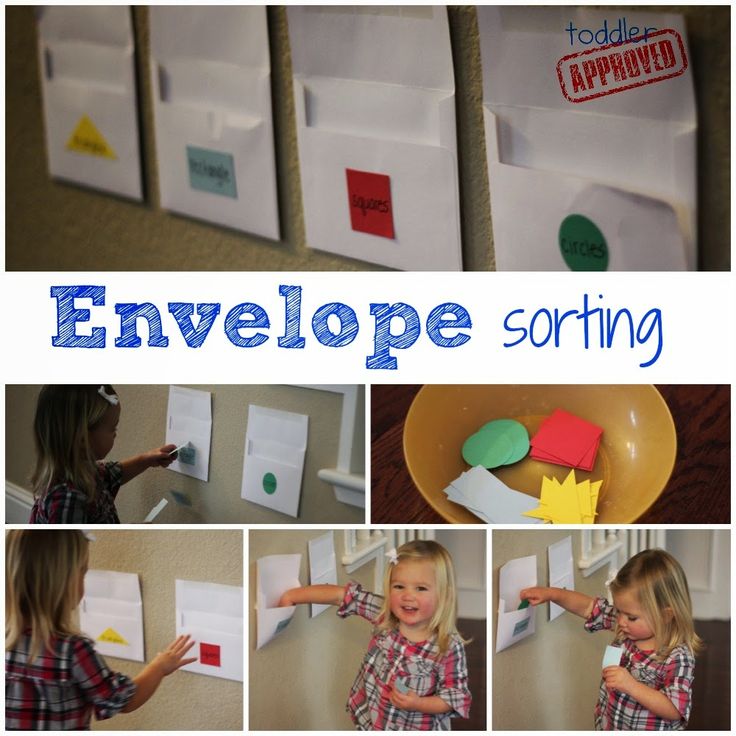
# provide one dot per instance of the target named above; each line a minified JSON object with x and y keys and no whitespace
{"x":606,"y":183}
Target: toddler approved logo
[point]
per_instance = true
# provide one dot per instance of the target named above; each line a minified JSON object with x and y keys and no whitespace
{"x":593,"y":73}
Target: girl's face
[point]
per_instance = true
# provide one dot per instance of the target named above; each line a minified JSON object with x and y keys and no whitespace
{"x":102,"y":437}
{"x":631,"y":619}
{"x":413,"y":597}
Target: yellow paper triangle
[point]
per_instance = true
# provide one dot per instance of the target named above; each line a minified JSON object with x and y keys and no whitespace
{"x":112,"y":636}
{"x":87,"y":139}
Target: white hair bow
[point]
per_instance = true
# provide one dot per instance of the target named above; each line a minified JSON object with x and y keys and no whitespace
{"x":110,"y":398}
{"x":88,"y":535}
{"x":393,"y":558}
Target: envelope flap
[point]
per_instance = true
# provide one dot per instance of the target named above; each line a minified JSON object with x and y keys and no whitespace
{"x":232,"y":34}
{"x":276,"y":575}
{"x":88,"y":63}
{"x":121,"y":586}
{"x":106,"y":25}
{"x":520,"y":49}
{"x":514,"y":576}
{"x":190,"y":402}
{"x":284,"y":427}
{"x":376,"y":110}
{"x":213,"y":84}
{"x":209,"y":597}
{"x":407,"y":45}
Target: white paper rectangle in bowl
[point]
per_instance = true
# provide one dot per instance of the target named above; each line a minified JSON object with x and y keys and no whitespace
{"x":212,"y":614}
{"x":515,"y":624}
{"x":275,"y":574}
{"x":111,"y":614}
{"x":275,"y":446}
{"x":211,"y":81}
{"x":375,"y":93}
{"x":625,"y":162}
{"x":86,"y":56}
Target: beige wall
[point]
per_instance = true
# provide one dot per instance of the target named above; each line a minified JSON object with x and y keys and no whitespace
{"x":548,"y":681}
{"x":301,"y":678}
{"x":143,"y":427}
{"x":185,"y":701}
{"x":51,"y":226}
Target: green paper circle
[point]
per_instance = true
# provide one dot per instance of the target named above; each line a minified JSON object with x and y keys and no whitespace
{"x":582,"y":244}
{"x":515,"y":432}
{"x":269,"y":483}
{"x":488,"y":449}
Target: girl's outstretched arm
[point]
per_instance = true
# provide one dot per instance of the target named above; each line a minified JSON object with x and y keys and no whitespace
{"x":330,"y":594}
{"x":577,"y":603}
{"x":164,"y":663}
{"x":160,"y":457}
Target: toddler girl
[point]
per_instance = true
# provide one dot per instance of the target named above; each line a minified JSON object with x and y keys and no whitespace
{"x":414,"y":676}
{"x":54,"y":679}
{"x":74,"y":429}
{"x":652,"y":619}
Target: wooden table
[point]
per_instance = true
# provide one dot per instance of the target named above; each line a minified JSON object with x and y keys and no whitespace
{"x":699,"y":491}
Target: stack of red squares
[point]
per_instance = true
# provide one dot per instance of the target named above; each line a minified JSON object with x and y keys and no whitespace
{"x":564,"y":439}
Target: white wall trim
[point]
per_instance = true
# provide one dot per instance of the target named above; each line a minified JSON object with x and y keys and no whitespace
{"x":18,"y":503}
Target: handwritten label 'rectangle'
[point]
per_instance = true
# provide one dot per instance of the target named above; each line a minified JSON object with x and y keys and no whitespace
{"x":210,"y":171}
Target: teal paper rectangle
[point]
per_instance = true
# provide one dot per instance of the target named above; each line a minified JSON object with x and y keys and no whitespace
{"x":210,"y":171}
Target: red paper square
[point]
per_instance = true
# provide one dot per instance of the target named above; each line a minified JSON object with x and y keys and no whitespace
{"x":209,"y":654}
{"x":565,"y":439}
{"x":369,"y":201}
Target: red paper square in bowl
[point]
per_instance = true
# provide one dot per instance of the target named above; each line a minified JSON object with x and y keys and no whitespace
{"x":369,"y":201}
{"x":209,"y":654}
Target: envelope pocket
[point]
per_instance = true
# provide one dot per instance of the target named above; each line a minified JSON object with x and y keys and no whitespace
{"x":233,"y":145}
{"x":513,"y":626}
{"x":102,"y":152}
{"x":113,"y":628}
{"x":423,"y":191}
{"x":274,"y":483}
{"x":620,"y":231}
{"x":219,"y":653}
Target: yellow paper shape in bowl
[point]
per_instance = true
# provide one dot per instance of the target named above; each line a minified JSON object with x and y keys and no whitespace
{"x":569,"y":502}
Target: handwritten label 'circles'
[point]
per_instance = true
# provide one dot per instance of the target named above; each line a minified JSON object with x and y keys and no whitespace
{"x":269,"y":483}
{"x":582,"y":244}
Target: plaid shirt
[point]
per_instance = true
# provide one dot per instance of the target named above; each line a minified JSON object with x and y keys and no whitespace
{"x":65,"y":504}
{"x":418,"y":664}
{"x":61,"y":688}
{"x":616,"y":711}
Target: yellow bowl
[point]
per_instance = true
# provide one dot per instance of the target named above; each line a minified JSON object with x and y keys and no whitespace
{"x":634,"y":461}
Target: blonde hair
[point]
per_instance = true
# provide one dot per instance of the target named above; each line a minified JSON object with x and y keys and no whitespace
{"x":444,"y":620}
{"x":42,"y":569}
{"x":64,"y":417}
{"x":661,"y":587}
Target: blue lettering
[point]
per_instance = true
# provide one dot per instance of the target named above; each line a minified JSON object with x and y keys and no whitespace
{"x":384,"y":339}
{"x":234,"y":323}
{"x":436,"y":322}
{"x":348,"y":325}
{"x":291,"y":337}
{"x":129,"y":314}
{"x":67,"y":316}
{"x":182,"y":312}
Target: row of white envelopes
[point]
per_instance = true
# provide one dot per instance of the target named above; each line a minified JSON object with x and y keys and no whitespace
{"x":590,"y":144}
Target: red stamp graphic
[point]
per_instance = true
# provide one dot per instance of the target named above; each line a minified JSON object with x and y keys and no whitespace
{"x":369,"y":199}
{"x":593,"y":73}
{"x":209,"y":654}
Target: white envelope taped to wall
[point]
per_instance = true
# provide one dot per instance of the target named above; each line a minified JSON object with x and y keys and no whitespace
{"x":275,"y":446}
{"x":89,"y":97}
{"x":275,"y":574}
{"x":591,"y":150}
{"x":212,"y":614}
{"x":514,"y":623}
{"x":111,"y":613}
{"x":211,"y":81}
{"x":374,"y":92}
{"x":189,"y":427}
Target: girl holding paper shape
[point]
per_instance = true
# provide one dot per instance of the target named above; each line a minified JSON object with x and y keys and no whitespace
{"x":54,"y":679}
{"x":651,"y":615}
{"x":74,"y":430}
{"x":414,"y":675}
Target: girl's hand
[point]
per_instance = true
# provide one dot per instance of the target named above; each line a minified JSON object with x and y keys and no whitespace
{"x":172,"y":657}
{"x":286,"y":600}
{"x":618,"y":678}
{"x":161,"y":457}
{"x":405,"y":701}
{"x":535,"y":596}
